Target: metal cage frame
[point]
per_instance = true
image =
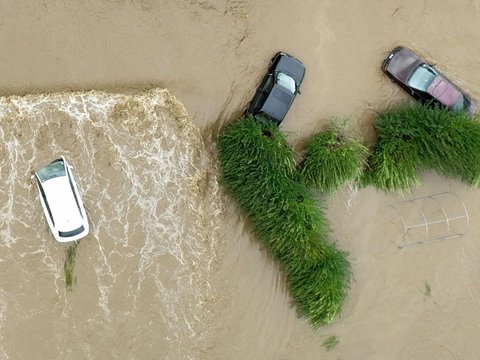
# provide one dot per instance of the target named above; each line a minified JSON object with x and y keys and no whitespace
{"x":447,"y":220}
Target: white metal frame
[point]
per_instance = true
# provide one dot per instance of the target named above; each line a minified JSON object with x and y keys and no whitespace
{"x":447,"y":220}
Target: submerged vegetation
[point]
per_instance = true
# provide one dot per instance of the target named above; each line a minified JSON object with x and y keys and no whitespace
{"x":331,"y":342}
{"x":417,"y":137}
{"x":427,"y":290}
{"x":69,"y":265}
{"x":332,"y":160}
{"x":259,"y":169}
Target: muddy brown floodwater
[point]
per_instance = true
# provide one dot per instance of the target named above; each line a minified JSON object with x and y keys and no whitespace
{"x":171,"y":269}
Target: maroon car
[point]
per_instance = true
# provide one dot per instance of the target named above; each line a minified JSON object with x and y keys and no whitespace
{"x":424,"y":82}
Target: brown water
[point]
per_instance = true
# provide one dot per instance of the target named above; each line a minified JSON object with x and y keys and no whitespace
{"x":154,"y":211}
{"x":171,"y":269}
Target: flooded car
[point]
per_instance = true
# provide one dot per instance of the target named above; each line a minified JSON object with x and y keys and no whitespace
{"x":424,"y":82}
{"x":278,"y":88}
{"x":61,"y":201}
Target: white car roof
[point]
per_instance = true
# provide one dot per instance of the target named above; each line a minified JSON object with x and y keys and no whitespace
{"x":61,"y":200}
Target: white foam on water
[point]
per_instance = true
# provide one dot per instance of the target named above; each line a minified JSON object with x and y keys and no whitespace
{"x":3,"y":311}
{"x":353,"y":194}
{"x":152,"y":197}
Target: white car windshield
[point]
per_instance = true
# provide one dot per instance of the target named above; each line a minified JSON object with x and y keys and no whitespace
{"x":52,"y":170}
{"x":422,"y":78}
{"x":286,"y":82}
{"x":72,"y":232}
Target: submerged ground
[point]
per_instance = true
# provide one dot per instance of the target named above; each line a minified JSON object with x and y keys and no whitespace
{"x":415,"y":303}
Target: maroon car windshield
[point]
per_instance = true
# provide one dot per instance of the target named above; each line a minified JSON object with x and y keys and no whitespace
{"x":443,"y":91}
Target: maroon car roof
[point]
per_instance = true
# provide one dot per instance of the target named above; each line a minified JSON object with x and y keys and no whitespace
{"x":403,"y":63}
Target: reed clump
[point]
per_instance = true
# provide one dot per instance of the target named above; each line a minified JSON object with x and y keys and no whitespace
{"x":260,"y":171}
{"x":332,"y":160}
{"x":416,"y":137}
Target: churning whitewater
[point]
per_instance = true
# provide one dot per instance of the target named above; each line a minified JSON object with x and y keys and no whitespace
{"x":150,"y":190}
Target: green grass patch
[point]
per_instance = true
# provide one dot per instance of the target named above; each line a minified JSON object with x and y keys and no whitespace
{"x":332,"y":160}
{"x":393,"y":165}
{"x":69,"y":265}
{"x":417,"y":137}
{"x":259,"y":170}
{"x":331,"y":342}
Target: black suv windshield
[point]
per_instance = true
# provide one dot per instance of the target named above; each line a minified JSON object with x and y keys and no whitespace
{"x":286,"y":81}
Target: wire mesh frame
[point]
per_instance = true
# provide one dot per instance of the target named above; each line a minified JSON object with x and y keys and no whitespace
{"x":418,"y":202}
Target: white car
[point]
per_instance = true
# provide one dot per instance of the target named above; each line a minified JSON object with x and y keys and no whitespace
{"x":61,"y":201}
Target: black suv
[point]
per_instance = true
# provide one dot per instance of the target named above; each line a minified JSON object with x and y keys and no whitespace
{"x":278,"y":88}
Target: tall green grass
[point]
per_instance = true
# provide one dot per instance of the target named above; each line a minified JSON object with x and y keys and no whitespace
{"x":332,"y":160}
{"x":259,"y":170}
{"x":393,"y":165}
{"x":417,"y":137}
